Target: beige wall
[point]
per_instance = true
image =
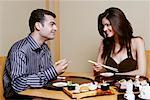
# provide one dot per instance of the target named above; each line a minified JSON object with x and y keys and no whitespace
{"x":79,"y":35}
{"x":78,"y":25}
{"x":14,"y":15}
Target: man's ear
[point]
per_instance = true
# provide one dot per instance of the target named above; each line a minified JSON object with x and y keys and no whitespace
{"x":38,"y":26}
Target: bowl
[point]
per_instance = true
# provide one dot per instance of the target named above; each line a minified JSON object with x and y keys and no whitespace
{"x":59,"y":84}
{"x":107,"y":74}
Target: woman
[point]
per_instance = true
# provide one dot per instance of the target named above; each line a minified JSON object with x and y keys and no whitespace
{"x":119,"y":48}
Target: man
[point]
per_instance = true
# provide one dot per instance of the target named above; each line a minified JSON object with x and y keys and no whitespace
{"x":29,"y":62}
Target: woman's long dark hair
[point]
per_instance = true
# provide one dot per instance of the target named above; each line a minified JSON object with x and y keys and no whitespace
{"x":121,"y":27}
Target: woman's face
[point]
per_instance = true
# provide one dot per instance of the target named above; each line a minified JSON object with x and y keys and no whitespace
{"x":108,"y":30}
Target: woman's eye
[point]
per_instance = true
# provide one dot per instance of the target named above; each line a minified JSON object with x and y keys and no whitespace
{"x":107,"y":24}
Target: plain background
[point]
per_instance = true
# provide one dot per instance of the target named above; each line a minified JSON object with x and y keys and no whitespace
{"x":78,"y":25}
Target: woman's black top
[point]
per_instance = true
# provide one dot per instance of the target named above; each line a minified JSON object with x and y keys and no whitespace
{"x":128,"y":64}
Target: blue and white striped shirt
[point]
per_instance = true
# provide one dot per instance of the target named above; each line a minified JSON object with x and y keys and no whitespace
{"x":27,"y":65}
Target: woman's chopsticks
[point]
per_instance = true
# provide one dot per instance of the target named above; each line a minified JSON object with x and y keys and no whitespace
{"x":108,"y":67}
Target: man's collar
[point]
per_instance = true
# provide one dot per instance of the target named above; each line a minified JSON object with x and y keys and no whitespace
{"x":33,"y":43}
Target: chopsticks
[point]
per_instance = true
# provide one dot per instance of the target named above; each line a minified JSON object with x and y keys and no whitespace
{"x":108,"y":67}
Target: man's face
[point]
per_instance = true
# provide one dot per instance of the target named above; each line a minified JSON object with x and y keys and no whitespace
{"x":49,"y":28}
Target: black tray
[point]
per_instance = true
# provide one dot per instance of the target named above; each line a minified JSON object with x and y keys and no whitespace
{"x":113,"y":80}
{"x":116,"y":78}
{"x":73,"y":79}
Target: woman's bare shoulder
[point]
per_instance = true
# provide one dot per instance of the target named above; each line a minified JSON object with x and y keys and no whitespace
{"x":101,"y":40}
{"x":137,"y":42}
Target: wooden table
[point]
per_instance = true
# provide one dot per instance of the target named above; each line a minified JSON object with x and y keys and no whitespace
{"x":53,"y":94}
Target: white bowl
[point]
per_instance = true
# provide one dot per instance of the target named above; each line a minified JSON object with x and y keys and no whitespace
{"x":59,"y":84}
{"x":144,"y":97}
{"x":107,"y":74}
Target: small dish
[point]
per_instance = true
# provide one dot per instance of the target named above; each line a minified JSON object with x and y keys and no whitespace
{"x":59,"y":84}
{"x":143,"y":97}
{"x":107,"y":74}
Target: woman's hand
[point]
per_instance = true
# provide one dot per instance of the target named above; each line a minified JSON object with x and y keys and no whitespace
{"x":97,"y":67}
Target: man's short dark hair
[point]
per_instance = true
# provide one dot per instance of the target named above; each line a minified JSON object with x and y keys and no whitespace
{"x":38,"y":16}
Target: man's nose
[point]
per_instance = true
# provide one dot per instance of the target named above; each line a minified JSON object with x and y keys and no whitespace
{"x":55,"y":27}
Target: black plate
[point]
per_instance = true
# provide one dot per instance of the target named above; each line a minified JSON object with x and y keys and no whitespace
{"x":73,"y":79}
{"x":116,"y":78}
{"x":113,"y":81}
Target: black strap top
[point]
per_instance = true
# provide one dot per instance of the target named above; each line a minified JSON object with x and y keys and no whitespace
{"x":128,"y":64}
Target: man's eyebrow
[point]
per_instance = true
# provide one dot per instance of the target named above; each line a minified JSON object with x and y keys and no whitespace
{"x":52,"y":23}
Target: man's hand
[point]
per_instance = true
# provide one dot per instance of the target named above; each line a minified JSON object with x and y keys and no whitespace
{"x":61,"y":66}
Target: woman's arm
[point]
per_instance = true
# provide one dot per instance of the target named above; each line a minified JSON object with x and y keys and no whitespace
{"x":141,"y":57}
{"x":97,"y":68}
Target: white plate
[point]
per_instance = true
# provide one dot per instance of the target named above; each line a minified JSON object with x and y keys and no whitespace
{"x":143,"y":97}
{"x":107,"y":74}
{"x":60,"y":84}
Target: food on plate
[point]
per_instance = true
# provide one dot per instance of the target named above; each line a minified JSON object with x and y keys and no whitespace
{"x":107,"y":92}
{"x":121,"y":84}
{"x":124,"y":84}
{"x":105,"y":86}
{"x":71,"y":87}
{"x":76,"y":91}
{"x":136,"y":83}
{"x":143,"y":82}
{"x":84,"y":89}
{"x":122,"y":80}
{"x":59,"y":84}
{"x":92,"y":87}
{"x":69,"y":82}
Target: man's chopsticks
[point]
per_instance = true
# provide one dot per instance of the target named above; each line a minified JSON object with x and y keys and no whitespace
{"x":108,"y":67}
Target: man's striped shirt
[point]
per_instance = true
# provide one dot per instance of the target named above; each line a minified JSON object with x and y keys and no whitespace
{"x":27,"y":65}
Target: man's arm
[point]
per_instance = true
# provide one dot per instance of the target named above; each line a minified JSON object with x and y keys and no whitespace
{"x":21,"y":80}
